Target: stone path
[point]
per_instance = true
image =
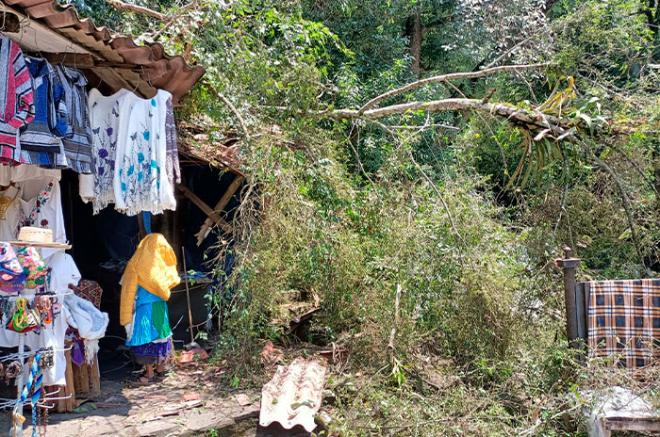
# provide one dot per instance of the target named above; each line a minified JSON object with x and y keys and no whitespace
{"x":185,"y":403}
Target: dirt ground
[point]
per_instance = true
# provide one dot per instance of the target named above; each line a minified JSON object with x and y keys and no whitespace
{"x":185,"y":402}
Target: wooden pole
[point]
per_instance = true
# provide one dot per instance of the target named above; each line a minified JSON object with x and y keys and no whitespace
{"x":94,"y":379}
{"x":185,"y":280}
{"x":569,"y":266}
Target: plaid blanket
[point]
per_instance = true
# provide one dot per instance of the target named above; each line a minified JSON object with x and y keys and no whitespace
{"x":624,"y":319}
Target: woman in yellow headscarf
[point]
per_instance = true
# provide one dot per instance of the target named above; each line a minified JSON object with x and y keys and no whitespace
{"x":149,"y":276}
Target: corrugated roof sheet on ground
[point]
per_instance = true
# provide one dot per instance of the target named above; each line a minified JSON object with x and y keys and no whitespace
{"x":293,"y":396}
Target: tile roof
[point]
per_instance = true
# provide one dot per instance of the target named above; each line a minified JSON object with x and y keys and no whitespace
{"x":117,"y":60}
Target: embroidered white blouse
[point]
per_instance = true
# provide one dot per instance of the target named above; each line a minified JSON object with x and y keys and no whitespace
{"x":104,"y":121}
{"x":141,"y":182}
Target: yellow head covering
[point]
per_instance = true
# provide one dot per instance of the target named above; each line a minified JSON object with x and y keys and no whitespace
{"x":153,"y":267}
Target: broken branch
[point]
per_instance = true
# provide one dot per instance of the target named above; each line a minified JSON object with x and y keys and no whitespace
{"x":122,"y":6}
{"x":528,"y":118}
{"x":446,"y":78}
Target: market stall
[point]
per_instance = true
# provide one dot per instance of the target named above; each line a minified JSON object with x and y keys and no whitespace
{"x":88,"y":142}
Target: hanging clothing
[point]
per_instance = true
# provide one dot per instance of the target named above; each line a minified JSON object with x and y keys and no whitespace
{"x":12,"y":212}
{"x":13,"y":198}
{"x":151,"y":321}
{"x":150,"y":337}
{"x":141,"y":182}
{"x":624,"y":319}
{"x":86,"y":187}
{"x":90,"y":322}
{"x":41,"y":204}
{"x":16,"y":97}
{"x":22,"y":173}
{"x":153,"y":267}
{"x":104,"y":122}
{"x":78,"y":141}
{"x":172,"y":166}
{"x":41,"y":140}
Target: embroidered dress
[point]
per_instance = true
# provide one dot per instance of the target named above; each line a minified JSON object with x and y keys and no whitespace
{"x":104,"y":122}
{"x":41,"y":139}
{"x":16,"y":97}
{"x":141,"y":182}
{"x":78,"y":141}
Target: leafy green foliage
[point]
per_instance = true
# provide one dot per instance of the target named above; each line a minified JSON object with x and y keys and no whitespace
{"x":462,"y":211}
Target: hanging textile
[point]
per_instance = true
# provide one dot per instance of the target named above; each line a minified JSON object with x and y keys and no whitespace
{"x":153,"y":267}
{"x":16,"y":97}
{"x":40,"y":140}
{"x":78,"y":141}
{"x":624,"y":318}
{"x":141,"y":182}
{"x":104,"y":121}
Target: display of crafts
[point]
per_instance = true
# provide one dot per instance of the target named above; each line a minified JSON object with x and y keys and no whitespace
{"x":12,"y":274}
{"x":20,"y":268}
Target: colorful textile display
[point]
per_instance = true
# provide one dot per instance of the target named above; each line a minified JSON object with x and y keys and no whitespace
{"x":12,"y":276}
{"x":78,"y":140}
{"x":153,"y":267}
{"x":624,"y":318}
{"x":16,"y":97}
{"x":40,"y":140}
{"x":34,"y":267}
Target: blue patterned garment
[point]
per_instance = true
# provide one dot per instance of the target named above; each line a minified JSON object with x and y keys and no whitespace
{"x":44,"y":133}
{"x":151,"y":321}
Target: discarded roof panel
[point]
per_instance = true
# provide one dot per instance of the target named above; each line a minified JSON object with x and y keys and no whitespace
{"x":293,"y":396}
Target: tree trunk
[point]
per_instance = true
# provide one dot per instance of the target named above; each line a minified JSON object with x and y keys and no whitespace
{"x":415,"y":32}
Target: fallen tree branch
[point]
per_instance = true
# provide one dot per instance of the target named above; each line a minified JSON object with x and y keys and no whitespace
{"x":122,"y":6}
{"x":446,"y":78}
{"x":529,"y":118}
{"x":397,"y":303}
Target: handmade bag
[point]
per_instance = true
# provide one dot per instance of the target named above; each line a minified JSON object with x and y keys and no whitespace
{"x":24,"y":319}
{"x":34,"y":267}
{"x":12,"y":277}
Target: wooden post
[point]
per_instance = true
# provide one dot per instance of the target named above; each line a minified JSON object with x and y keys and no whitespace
{"x":70,"y":390}
{"x":569,"y":266}
{"x":94,"y":379}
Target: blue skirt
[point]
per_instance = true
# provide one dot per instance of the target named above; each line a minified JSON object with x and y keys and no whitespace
{"x":151,"y":321}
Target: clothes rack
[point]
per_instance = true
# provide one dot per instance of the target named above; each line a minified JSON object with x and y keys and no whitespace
{"x":21,"y":356}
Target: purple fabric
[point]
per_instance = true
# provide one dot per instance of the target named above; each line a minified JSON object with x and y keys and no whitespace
{"x":78,"y":352}
{"x":152,"y":353}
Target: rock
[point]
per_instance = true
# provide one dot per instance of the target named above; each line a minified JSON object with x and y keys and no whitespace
{"x":207,"y":421}
{"x":156,"y":428}
{"x":242,"y":399}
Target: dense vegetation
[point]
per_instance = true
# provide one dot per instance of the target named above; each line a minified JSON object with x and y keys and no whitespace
{"x":427,"y":236}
